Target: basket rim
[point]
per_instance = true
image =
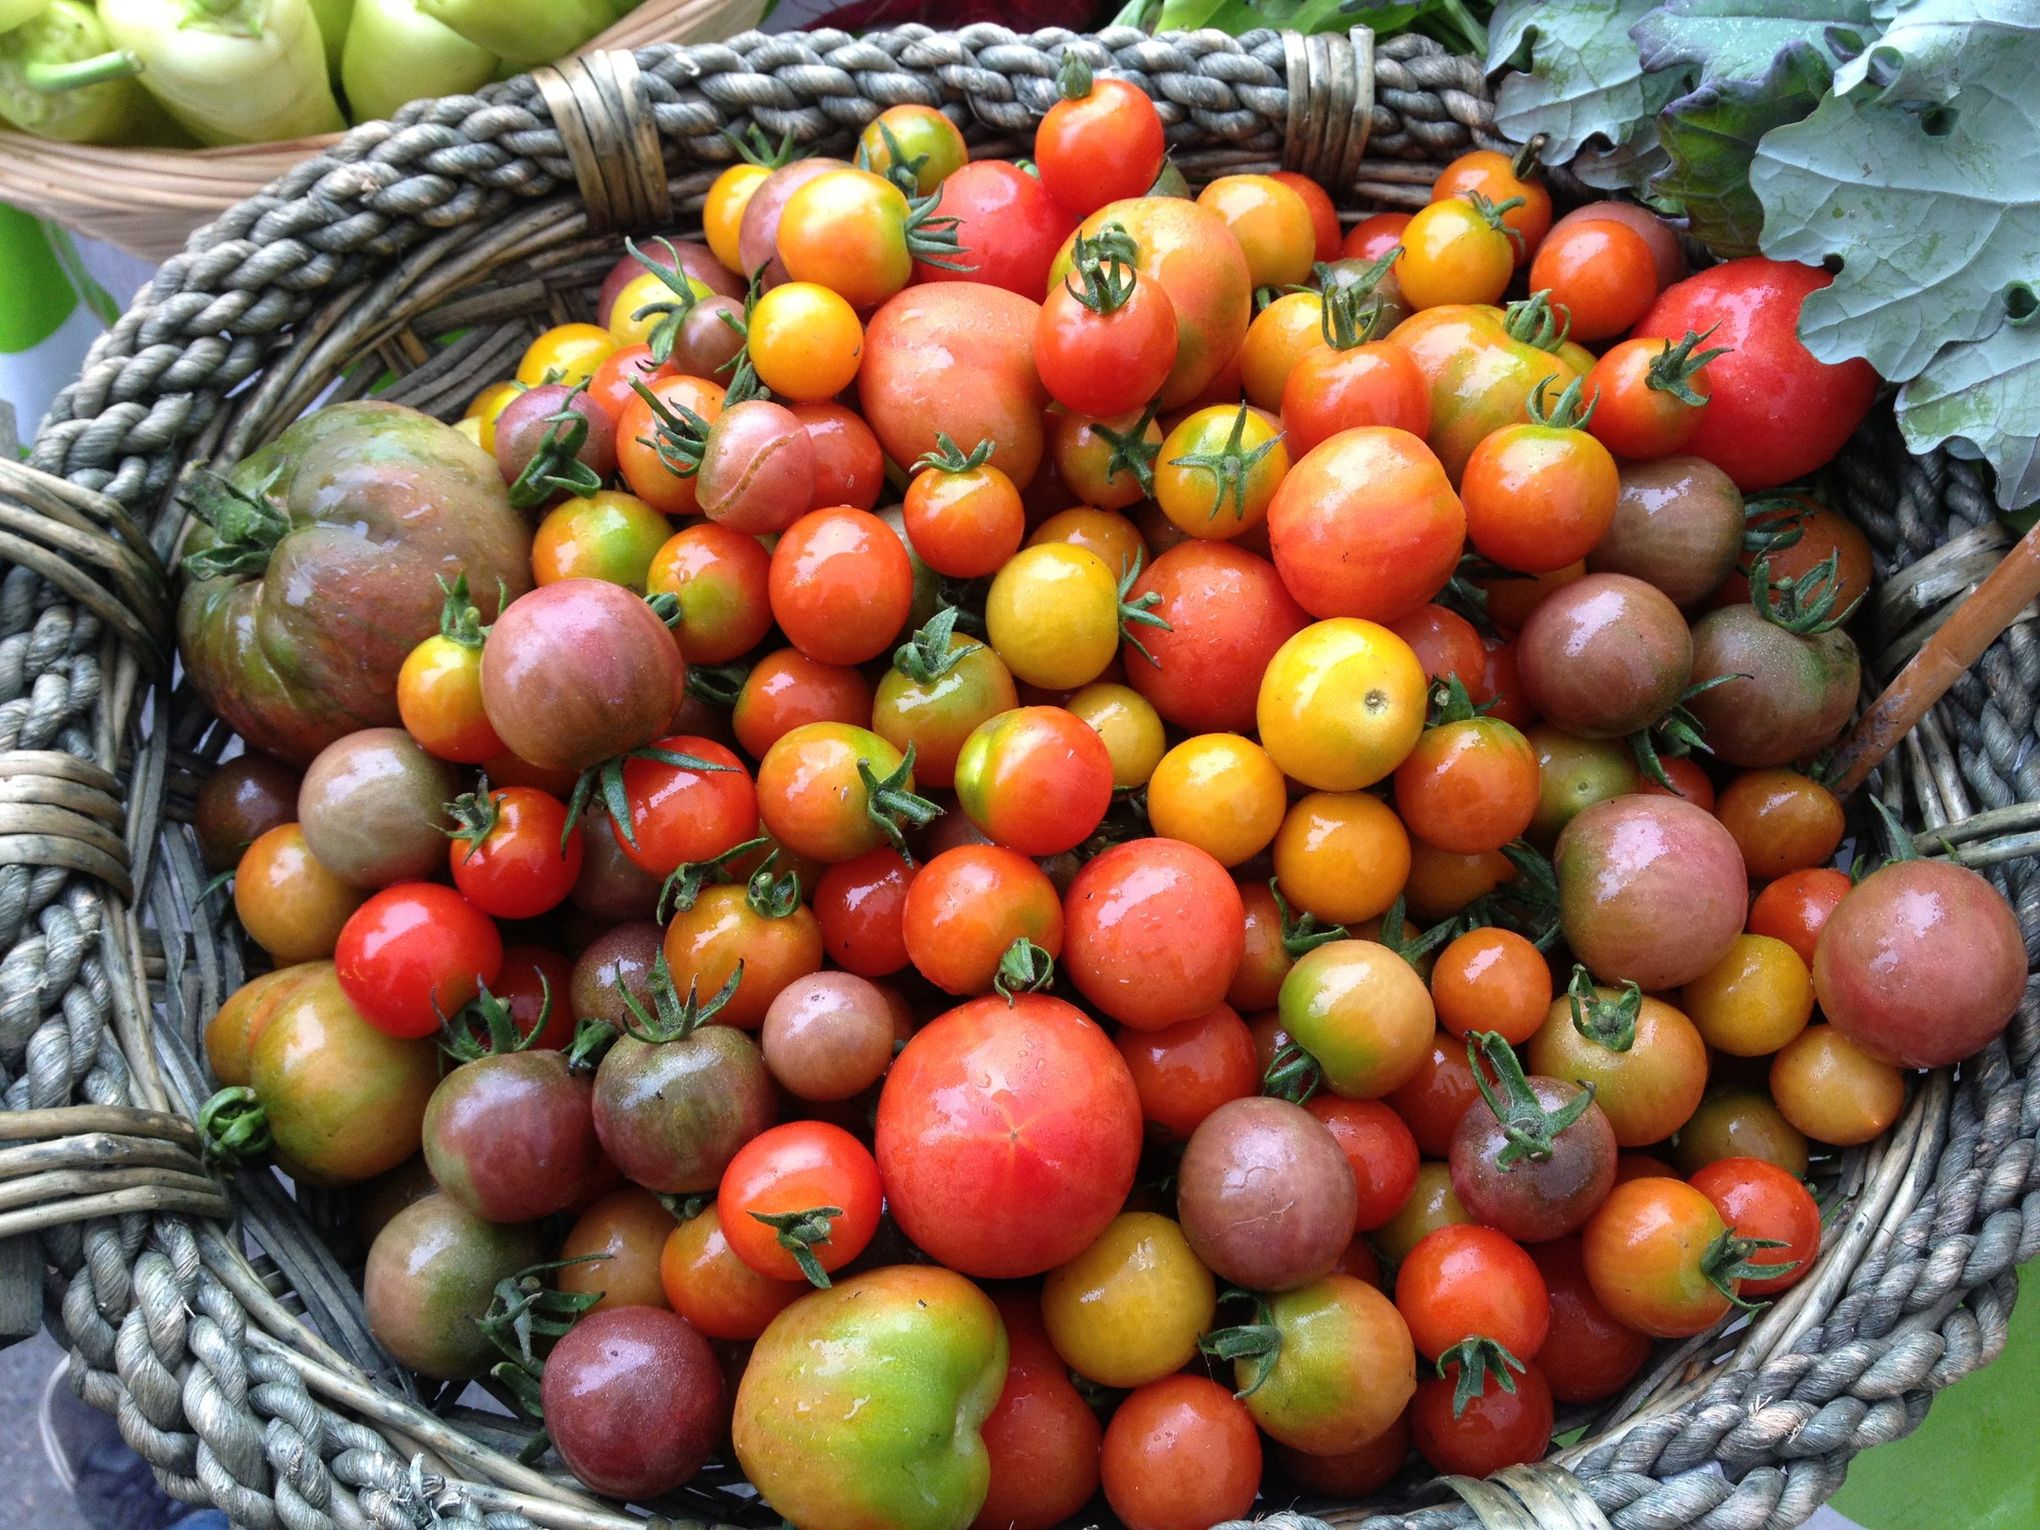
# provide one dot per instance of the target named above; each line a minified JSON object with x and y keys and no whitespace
{"x":106,"y":485}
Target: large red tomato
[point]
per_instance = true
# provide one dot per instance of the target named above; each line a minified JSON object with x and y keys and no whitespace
{"x":1774,"y":413}
{"x":955,"y":358}
{"x":1007,"y":1136}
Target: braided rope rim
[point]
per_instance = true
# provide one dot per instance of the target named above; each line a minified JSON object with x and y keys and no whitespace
{"x":211,"y":1375}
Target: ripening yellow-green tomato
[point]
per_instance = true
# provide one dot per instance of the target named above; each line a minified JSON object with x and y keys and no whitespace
{"x":1128,"y":1310}
{"x":1053,"y":615}
{"x":1219,"y":469}
{"x":644,"y":302}
{"x":1221,"y":793}
{"x":1130,"y":726}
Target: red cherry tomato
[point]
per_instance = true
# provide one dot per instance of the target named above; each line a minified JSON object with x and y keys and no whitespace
{"x":682,"y":813}
{"x":861,"y":906}
{"x":516,"y":855}
{"x":1374,"y":236}
{"x":1187,"y":1070}
{"x":1007,"y":225}
{"x":415,"y":953}
{"x":1154,"y":932}
{"x":803,"y":1189}
{"x":1498,"y":1428}
{"x":1760,"y":1200}
{"x":842,"y":585}
{"x":1098,"y":146}
{"x":1469,"y":1282}
{"x":1380,"y":1147}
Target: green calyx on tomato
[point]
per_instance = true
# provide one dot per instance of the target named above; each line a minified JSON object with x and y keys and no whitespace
{"x":672,"y":1018}
{"x":1804,"y":606}
{"x":524,"y":1308}
{"x":1532,"y":321}
{"x":1527,"y":1126}
{"x":1606,"y":1022}
{"x":890,"y":804}
{"x":1569,"y":412}
{"x":459,"y":619}
{"x":798,"y":1232}
{"x":680,"y":890}
{"x":1451,"y":703}
{"x":233,"y":1128}
{"x":1773,"y":522}
{"x":1493,"y":214}
{"x":770,"y":896}
{"x":609,"y":777}
{"x":930,"y":653}
{"x":754,"y":148}
{"x":486,"y":1027}
{"x":1132,"y":451}
{"x":672,"y":311}
{"x":246,"y":527}
{"x":1293,"y":1075}
{"x":1477,"y":1357}
{"x":1228,"y":467}
{"x":1727,"y":1263}
{"x":1103,"y":262}
{"x":1306,"y":932}
{"x":1676,"y":734}
{"x":1073,"y":78}
{"x":556,"y":467}
{"x":948,"y":457}
{"x":1673,"y":369}
{"x":1024,"y":968}
{"x":1139,"y":611}
{"x":1353,"y":313}
{"x":474,"y":816}
{"x":1257,"y":1339}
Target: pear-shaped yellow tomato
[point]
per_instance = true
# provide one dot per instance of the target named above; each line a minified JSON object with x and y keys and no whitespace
{"x":861,"y":1406}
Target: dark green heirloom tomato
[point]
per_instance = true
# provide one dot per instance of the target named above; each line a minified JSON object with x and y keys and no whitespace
{"x":432,"y":1273}
{"x":862,"y":1404}
{"x":316,"y":569}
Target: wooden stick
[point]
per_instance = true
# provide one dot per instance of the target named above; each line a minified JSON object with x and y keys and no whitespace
{"x":1941,"y":661}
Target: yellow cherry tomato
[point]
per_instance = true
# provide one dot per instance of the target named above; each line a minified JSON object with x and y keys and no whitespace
{"x":1754,"y":1000}
{"x":1341,"y":704}
{"x":1342,"y":856}
{"x":1105,"y":532}
{"x":805,"y":341}
{"x":1130,"y":726}
{"x":1219,"y":792}
{"x":486,"y":406}
{"x":1455,"y":251}
{"x":1270,"y":221}
{"x":722,"y":211}
{"x":919,"y":137}
{"x":1281,"y":335}
{"x":606,"y":535}
{"x":1218,"y":470}
{"x":1053,"y":615}
{"x":1833,"y":1090}
{"x":641,"y":305}
{"x":1129,"y":1309}
{"x":566,"y":353}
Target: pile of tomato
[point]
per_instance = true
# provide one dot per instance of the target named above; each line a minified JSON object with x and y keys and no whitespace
{"x":1114,"y":840}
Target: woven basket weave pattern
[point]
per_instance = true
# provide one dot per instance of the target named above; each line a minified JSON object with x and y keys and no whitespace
{"x":463,"y":215}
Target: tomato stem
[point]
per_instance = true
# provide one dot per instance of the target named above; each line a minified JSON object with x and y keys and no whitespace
{"x":1477,"y":1358}
{"x":1673,"y":369}
{"x":890,"y":803}
{"x":799,"y":1232}
{"x":1132,"y":451}
{"x":672,"y":1018}
{"x":1804,"y":606}
{"x":1528,"y":1126}
{"x":1073,"y":79}
{"x":1259,"y":1340}
{"x":932,"y":239}
{"x":1727,"y":1263}
{"x":754,"y":148}
{"x":773,"y":897}
{"x":1677,"y":734}
{"x":948,"y":457}
{"x":609,"y":777}
{"x":1024,"y":968}
{"x":720,"y":685}
{"x":556,"y":467}
{"x":1534,"y":322}
{"x":679,"y":890}
{"x":1293,"y":1074}
{"x":930,"y":653}
{"x":679,"y":435}
{"x":1139,"y":611}
{"x":1352,"y":312}
{"x":475,"y":815}
{"x":1450,"y":703}
{"x":485,"y":1027}
{"x":1568,"y":412}
{"x":1492,"y":213}
{"x":1103,"y":262}
{"x":1228,"y":467}
{"x":1305,"y":933}
{"x":233,"y":1128}
{"x":674,"y":310}
{"x":246,"y":527}
{"x":459,"y":620}
{"x":1609,"y":1023}
{"x":523,"y":1308}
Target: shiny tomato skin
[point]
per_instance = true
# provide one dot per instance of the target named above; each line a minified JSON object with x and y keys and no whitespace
{"x":1643,"y":1252}
{"x":841,"y":585}
{"x":1795,"y":908}
{"x":414,"y":953}
{"x":1180,"y":1454}
{"x":799,"y":1166}
{"x":1371,"y":384}
{"x":1760,"y":1200}
{"x":1042,"y":1437}
{"x":861,"y":905}
{"x":721,"y":578}
{"x":968,"y":905}
{"x":1099,"y":147}
{"x":1035,"y":779}
{"x":787,"y":690}
{"x":1187,"y":1070}
{"x":1008,"y":225}
{"x":1381,"y":1149}
{"x":1154,"y":930}
{"x":1465,"y":1282}
{"x":1228,"y":613}
{"x":528,"y":861}
{"x":1376,"y":488}
{"x":1587,"y":1355}
{"x":1499,"y":1428}
{"x":1007,"y":1135}
{"x":1775,"y":412}
{"x":707,"y":1284}
{"x":634,"y":1400}
{"x":680,"y":813}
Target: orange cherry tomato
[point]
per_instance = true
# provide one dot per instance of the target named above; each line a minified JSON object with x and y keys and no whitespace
{"x":1491,"y":980}
{"x":1782,"y":821}
{"x":1494,"y":175}
{"x":1601,"y":275}
{"x":1795,"y":908}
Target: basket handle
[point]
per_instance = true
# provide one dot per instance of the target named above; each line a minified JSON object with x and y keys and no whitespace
{"x":599,"y":103}
{"x":1331,"y":104}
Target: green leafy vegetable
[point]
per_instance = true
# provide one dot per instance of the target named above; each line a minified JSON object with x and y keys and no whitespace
{"x":1731,"y":40}
{"x":1453,"y":22}
{"x":1585,"y":81}
{"x":1920,"y":173}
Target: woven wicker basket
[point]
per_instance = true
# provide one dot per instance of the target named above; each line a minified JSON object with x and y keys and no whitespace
{"x":212,"y":1318}
{"x":149,"y":201}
